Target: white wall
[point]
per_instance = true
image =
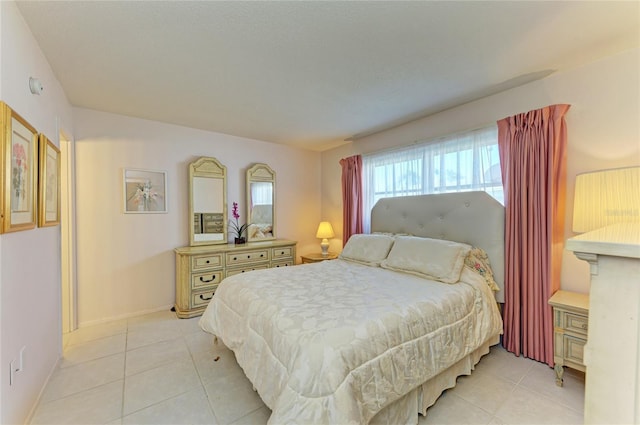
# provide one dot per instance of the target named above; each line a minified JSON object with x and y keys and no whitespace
{"x":29,"y":260}
{"x":126,"y":263}
{"x":603,"y":131}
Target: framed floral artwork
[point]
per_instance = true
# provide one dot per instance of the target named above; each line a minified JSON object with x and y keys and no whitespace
{"x":145,"y":191}
{"x":19,"y":171}
{"x":48,"y":183}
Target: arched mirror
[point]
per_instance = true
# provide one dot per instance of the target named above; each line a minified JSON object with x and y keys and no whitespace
{"x":207,"y":202}
{"x":261,"y":203}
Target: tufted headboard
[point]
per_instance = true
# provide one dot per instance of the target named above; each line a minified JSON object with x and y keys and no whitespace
{"x":474,"y":218}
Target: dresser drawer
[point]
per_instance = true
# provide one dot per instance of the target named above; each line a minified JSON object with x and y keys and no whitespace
{"x":249,"y":268}
{"x":200,"y":269}
{"x":201,"y":299}
{"x":243,"y":257}
{"x":206,"y":279}
{"x":576,"y":323}
{"x":284,"y":252}
{"x":284,"y":263}
{"x":200,"y":262}
{"x":574,"y":349}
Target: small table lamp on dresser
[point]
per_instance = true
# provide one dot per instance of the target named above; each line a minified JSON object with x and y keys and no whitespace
{"x":325,"y":232}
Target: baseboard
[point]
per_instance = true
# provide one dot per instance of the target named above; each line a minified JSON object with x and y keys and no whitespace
{"x":37,"y":402}
{"x":124,"y":316}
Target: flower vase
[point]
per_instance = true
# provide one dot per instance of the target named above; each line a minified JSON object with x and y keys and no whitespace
{"x":239,"y":241}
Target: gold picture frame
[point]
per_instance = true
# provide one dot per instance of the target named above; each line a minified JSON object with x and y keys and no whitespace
{"x":48,"y":183}
{"x":19,"y":153}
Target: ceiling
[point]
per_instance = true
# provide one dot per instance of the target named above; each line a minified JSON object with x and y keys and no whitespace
{"x":313,"y":73}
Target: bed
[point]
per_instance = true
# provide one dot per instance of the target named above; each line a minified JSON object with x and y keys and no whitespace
{"x":376,"y":335}
{"x":261,"y":225}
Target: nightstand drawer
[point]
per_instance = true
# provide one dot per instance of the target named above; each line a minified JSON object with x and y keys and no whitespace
{"x":576,"y":323}
{"x":241,"y":257}
{"x":282,"y":252}
{"x":574,"y":349}
{"x":202,"y":280}
{"x":201,"y":299}
{"x":206,"y":261}
{"x":247,"y":269}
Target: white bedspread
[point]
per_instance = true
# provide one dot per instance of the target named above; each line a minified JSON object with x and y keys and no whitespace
{"x":335,"y":342}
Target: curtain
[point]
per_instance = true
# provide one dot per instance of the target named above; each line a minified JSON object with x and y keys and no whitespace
{"x":533,"y":164}
{"x":351,"y":196}
{"x":455,"y":163}
{"x":261,"y":193}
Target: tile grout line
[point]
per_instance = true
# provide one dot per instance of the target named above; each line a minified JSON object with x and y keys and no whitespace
{"x":124,"y":372}
{"x":213,"y":412}
{"x":183,"y":339}
{"x":546,"y":396}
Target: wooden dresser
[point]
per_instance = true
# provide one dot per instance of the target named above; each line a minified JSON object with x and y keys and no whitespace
{"x":612,"y":353}
{"x":200,"y":269}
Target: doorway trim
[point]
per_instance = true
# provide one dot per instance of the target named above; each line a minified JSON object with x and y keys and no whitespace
{"x":69,"y":305}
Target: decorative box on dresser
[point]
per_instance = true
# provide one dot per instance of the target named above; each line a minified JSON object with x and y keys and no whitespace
{"x":612,"y":353}
{"x":570,"y":326}
{"x":200,"y":269}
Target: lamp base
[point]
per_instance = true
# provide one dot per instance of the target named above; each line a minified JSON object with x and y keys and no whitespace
{"x":325,"y":247}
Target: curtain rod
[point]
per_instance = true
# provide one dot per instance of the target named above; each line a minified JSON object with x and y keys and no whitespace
{"x":430,"y":141}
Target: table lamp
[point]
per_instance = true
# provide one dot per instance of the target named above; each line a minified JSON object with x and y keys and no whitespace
{"x":325,"y":232}
{"x":606,"y":197}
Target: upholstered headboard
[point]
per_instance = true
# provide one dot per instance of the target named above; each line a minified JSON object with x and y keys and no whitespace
{"x":474,"y":218}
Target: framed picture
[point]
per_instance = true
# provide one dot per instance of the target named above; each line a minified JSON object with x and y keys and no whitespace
{"x":48,"y":184}
{"x":145,"y":191}
{"x":19,"y":141}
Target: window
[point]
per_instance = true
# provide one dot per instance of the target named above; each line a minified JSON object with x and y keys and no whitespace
{"x":462,"y":162}
{"x":261,"y":193}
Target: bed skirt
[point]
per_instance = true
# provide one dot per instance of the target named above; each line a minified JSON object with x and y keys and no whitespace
{"x":406,"y":409}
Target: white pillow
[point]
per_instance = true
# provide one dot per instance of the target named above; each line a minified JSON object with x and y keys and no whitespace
{"x":367,"y":249}
{"x":434,"y":259}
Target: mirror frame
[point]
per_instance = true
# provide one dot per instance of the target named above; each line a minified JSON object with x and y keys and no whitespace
{"x":207,"y":167}
{"x":261,"y":173}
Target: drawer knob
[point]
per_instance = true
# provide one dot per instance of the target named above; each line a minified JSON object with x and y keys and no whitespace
{"x":202,"y":279}
{"x":235,"y":258}
{"x":207,"y":261}
{"x":282,"y":253}
{"x":261,"y":255}
{"x":205,"y":299}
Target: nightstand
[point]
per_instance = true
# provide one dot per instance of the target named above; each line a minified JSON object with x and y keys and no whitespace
{"x":317,"y":257}
{"x":570,"y":326}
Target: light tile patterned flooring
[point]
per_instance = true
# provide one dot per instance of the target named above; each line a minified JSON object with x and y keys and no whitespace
{"x":157,"y":369}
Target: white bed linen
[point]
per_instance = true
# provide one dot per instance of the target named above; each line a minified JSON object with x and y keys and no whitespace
{"x":336,"y":342}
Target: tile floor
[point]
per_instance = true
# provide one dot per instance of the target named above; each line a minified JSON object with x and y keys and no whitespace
{"x":157,"y":369}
